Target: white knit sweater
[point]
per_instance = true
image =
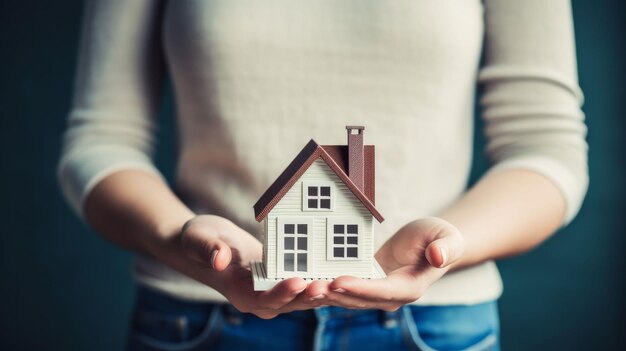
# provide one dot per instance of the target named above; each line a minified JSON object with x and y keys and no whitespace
{"x":255,"y":80}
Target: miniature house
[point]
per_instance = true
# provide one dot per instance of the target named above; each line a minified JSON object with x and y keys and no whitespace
{"x":319,"y":215}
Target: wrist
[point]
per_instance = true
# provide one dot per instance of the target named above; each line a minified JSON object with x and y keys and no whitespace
{"x":166,"y":236}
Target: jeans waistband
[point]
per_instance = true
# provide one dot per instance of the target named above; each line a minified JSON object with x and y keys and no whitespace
{"x":331,"y":312}
{"x":322,"y":314}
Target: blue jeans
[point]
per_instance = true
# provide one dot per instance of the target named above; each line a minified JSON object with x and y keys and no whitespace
{"x":164,"y":323}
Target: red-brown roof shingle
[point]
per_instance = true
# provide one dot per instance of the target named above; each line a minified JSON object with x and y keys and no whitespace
{"x":336,"y":156}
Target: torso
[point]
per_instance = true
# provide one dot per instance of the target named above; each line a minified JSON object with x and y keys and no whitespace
{"x":254,"y":81}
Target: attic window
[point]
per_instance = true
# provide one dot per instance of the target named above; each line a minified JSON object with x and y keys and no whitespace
{"x":317,"y":197}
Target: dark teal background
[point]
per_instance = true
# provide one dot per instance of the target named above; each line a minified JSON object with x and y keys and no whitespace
{"x":64,"y":288}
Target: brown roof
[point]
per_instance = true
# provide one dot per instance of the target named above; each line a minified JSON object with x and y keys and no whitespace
{"x":336,"y":156}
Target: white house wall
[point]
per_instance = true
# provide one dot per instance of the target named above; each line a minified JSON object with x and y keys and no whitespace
{"x":265,"y":245}
{"x":345,"y":205}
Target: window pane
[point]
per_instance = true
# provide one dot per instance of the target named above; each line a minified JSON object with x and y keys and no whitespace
{"x":338,"y":252}
{"x":338,"y":229}
{"x":338,"y":240}
{"x":312,"y":191}
{"x":325,"y":191}
{"x":289,"y":244}
{"x":289,"y":228}
{"x":352,"y":252}
{"x":353,"y":240}
{"x":353,"y":229}
{"x":301,"y":228}
{"x":302,"y":243}
{"x":289,"y":262}
{"x":325,"y":203}
{"x":312,"y":203}
{"x":302,"y":262}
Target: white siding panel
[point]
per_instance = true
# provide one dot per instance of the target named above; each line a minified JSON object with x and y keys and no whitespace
{"x":270,"y":245}
{"x":345,"y":205}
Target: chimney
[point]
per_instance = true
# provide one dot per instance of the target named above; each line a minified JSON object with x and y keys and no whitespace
{"x":356,"y":156}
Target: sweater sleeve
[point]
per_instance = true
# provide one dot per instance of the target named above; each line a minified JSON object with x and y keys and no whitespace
{"x":531,"y":100}
{"x":111,"y":124}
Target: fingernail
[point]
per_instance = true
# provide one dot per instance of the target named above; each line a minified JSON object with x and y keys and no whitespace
{"x":444,"y":256}
{"x":213,"y":256}
{"x":317,"y":297}
{"x":339,"y":290}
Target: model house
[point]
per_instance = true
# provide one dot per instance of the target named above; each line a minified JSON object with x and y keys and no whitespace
{"x":319,"y":215}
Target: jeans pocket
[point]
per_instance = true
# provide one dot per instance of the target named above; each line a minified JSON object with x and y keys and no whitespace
{"x":447,"y":328}
{"x":168,"y":326}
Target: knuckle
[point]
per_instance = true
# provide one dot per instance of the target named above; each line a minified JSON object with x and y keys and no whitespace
{"x":317,"y":304}
{"x":387,"y":298}
{"x":417,"y":294}
{"x":309,"y":302}
{"x":271,"y":305}
{"x":331,"y":298}
{"x":265,"y":315}
{"x":410,"y":299}
{"x":275,"y":305}
{"x":243,"y":309}
{"x":359,"y":294}
{"x":393,"y":307}
{"x":186,"y":240}
{"x":205,"y":247}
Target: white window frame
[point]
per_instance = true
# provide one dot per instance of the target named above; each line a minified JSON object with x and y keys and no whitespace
{"x":306,"y":196}
{"x":280,"y":244}
{"x":330,"y":234}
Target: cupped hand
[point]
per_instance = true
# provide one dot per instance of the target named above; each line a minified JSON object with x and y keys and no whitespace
{"x":219,"y":254}
{"x":414,"y":258}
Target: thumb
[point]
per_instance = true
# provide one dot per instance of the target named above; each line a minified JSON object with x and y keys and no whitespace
{"x":201,"y":243}
{"x":446,"y":249}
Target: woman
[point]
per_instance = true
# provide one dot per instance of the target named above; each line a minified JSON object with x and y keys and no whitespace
{"x":253,"y":82}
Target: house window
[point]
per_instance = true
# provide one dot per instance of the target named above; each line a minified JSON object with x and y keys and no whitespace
{"x":293,"y":244}
{"x":317,"y":197}
{"x":343,"y":239}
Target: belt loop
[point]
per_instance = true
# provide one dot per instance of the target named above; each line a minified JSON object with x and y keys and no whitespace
{"x":389,"y":319}
{"x":232,"y":315}
{"x":321,"y":313}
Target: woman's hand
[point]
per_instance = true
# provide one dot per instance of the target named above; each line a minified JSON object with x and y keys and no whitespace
{"x":218,"y":253}
{"x":414,"y":258}
{"x":216,"y":242}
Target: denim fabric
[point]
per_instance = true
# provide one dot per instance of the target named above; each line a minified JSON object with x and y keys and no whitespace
{"x":164,"y":323}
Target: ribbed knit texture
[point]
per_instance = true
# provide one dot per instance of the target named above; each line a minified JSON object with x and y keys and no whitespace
{"x":255,"y":80}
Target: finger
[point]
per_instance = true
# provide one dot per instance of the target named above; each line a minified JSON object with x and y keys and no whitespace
{"x":315,"y":295}
{"x":281,"y":294}
{"x":318,"y":294}
{"x":316,"y":290}
{"x":345,"y":300}
{"x":301,"y":303}
{"x":445,"y":250}
{"x":265,"y":314}
{"x":311,"y":297}
{"x":397,"y":287}
{"x":202,"y":245}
